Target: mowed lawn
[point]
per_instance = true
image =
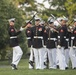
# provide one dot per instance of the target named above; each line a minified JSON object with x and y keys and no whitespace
{"x":5,"y":69}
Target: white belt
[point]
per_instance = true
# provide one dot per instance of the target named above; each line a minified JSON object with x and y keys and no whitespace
{"x":29,"y":38}
{"x":67,"y":39}
{"x":72,"y":38}
{"x":59,"y":37}
{"x":64,"y":36}
{"x":38,"y":37}
{"x":52,"y":39}
{"x":13,"y":37}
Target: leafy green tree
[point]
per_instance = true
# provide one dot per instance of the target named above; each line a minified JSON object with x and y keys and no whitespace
{"x":59,"y":7}
{"x":71,"y":8}
{"x":7,"y":11}
{"x":63,"y":7}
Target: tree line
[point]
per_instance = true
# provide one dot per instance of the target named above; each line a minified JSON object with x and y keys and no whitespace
{"x":9,"y":9}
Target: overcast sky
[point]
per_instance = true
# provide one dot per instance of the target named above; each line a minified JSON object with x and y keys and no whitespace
{"x":45,"y":3}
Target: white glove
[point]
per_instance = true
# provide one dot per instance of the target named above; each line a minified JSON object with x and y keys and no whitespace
{"x":72,"y":38}
{"x":44,"y":46}
{"x":58,"y":37}
{"x":67,"y":39}
{"x":55,"y":39}
{"x":52,"y":29}
{"x":64,"y":36}
{"x":74,"y":47}
{"x":58,"y":46}
{"x":21,"y":29}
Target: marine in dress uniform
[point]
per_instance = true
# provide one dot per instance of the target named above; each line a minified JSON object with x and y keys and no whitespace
{"x":66,"y":50}
{"x":42,"y":23}
{"x":38,"y":33}
{"x":17,"y":51}
{"x":72,"y":52}
{"x":28,"y":33}
{"x":61,"y":44}
{"x":51,"y":44}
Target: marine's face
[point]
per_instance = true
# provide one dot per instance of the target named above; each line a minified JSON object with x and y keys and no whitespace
{"x":29,"y":25}
{"x":37,"y":22}
{"x":51,"y":25}
{"x":63,"y":22}
{"x":75,"y":23}
{"x":11,"y":23}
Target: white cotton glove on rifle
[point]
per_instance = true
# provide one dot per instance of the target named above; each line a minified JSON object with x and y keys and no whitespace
{"x":44,"y":46}
{"x":21,"y":29}
{"x":74,"y":47}
{"x":67,"y":39}
{"x":59,"y":46}
{"x":72,"y":38}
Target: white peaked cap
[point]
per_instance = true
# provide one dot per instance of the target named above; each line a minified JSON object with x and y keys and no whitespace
{"x":42,"y":22}
{"x":62,"y":18}
{"x":28,"y":21}
{"x":37,"y":18}
{"x":49,"y":18}
{"x":59,"y":19}
{"x":12,"y":19}
{"x":75,"y":19}
{"x":52,"y":20}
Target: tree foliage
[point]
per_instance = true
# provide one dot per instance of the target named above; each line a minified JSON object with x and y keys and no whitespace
{"x":7,"y":11}
{"x":63,"y":7}
{"x":71,"y":8}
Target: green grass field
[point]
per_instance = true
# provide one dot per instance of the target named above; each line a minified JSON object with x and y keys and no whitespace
{"x":5,"y":69}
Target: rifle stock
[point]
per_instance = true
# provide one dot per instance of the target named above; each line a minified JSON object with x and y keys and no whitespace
{"x":29,"y":20}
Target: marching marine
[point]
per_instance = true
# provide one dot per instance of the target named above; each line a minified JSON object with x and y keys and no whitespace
{"x":29,"y":36}
{"x":51,"y":44}
{"x":61,"y":44}
{"x":17,"y":51}
{"x":72,"y":52}
{"x":38,"y":34}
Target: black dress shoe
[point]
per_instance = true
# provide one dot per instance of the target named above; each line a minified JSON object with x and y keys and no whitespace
{"x":45,"y":63}
{"x":66,"y":68}
{"x":14,"y":67}
{"x":57,"y":66}
{"x":31,"y":63}
{"x":74,"y":68}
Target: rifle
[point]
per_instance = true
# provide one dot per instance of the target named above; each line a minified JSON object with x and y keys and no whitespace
{"x":29,"y":20}
{"x":55,"y":18}
{"x":57,"y":31}
{"x":70,"y":22}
